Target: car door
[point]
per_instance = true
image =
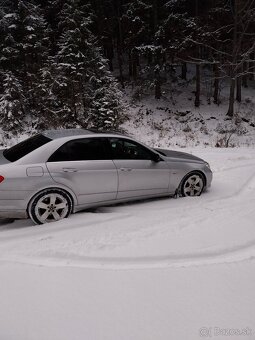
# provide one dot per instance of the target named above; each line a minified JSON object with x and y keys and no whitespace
{"x":138,"y":174}
{"x":84,"y":166}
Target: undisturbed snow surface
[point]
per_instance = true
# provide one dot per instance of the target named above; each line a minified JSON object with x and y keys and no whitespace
{"x":157,"y":269}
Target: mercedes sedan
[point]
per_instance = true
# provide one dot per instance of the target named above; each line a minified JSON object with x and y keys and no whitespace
{"x":58,"y":172}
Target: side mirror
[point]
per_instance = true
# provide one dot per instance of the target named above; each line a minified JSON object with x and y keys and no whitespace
{"x":156,"y":158}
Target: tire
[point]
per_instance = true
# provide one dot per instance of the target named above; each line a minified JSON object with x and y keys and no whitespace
{"x":50,"y":205}
{"x":192,"y":185}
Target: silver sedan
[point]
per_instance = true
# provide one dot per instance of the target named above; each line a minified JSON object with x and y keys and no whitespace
{"x":53,"y":174}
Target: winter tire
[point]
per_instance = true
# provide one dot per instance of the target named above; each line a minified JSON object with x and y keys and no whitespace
{"x":192,"y":185}
{"x":50,"y":205}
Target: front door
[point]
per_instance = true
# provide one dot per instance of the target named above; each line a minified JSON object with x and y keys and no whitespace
{"x":138,"y":174}
{"x":84,"y":166}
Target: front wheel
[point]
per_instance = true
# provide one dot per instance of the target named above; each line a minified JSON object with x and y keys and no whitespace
{"x":49,"y":205}
{"x":192,"y":185}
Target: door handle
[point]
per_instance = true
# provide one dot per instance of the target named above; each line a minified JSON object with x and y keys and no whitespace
{"x":126,"y":169}
{"x":70,"y":170}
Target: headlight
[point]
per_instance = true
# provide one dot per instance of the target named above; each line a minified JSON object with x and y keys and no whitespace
{"x":208,"y":165}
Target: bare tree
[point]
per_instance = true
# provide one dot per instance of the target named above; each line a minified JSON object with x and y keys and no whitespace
{"x":229,"y":38}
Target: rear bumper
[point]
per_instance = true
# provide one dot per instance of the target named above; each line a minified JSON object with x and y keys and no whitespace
{"x":13,"y":208}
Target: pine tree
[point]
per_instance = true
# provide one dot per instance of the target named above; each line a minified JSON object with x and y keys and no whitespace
{"x":9,"y":51}
{"x":24,"y":38}
{"x":136,"y":31}
{"x":25,"y":49}
{"x":106,"y":112}
{"x":81,"y":73}
{"x":12,"y":104}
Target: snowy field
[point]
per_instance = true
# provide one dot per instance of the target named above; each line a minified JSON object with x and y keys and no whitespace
{"x":154,"y":270}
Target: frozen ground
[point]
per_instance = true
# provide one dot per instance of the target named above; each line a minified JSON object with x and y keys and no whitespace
{"x":174,"y":121}
{"x":159,"y":269}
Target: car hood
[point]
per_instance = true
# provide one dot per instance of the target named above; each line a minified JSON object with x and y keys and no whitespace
{"x":182,"y":156}
{"x":3,"y":160}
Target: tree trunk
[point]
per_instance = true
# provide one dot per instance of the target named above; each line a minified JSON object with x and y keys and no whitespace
{"x":216,"y":84}
{"x":155,"y":15}
{"x":120,"y":67}
{"x":157,"y":89}
{"x":109,"y":53}
{"x":230,"y":112}
{"x":184,"y":71}
{"x":110,"y":65}
{"x":134,"y":64}
{"x":149,"y":58}
{"x":110,"y":58}
{"x":245,"y":75}
{"x":239,"y":89}
{"x":137,"y":60}
{"x":130,"y":66}
{"x":235,"y":55}
{"x":251,"y":66}
{"x":197,"y":98}
{"x":73,"y":102}
{"x":157,"y":83}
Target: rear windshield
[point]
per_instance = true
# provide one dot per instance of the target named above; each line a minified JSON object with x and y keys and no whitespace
{"x":23,"y":148}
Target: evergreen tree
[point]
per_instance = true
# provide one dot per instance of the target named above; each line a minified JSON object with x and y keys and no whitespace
{"x":107,"y":110}
{"x":24,"y":49}
{"x":24,"y":39}
{"x":136,"y":30}
{"x":12,"y":104}
{"x":81,"y":72}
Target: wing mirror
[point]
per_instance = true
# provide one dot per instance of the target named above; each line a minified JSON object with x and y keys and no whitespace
{"x":156,"y":157}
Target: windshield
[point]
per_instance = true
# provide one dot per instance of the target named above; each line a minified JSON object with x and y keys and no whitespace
{"x":23,"y":148}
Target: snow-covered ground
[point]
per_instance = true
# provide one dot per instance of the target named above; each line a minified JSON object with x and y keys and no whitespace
{"x":158,"y":269}
{"x":174,"y":121}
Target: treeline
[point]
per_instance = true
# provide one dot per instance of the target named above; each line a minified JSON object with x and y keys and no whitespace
{"x":52,"y":69}
{"x":57,"y":58}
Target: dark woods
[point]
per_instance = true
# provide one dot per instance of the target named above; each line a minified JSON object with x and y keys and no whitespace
{"x":63,"y":63}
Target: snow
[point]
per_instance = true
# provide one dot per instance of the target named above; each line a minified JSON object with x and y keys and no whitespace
{"x":173,"y":121}
{"x":29,"y":28}
{"x":10,"y":15}
{"x":156,"y":269}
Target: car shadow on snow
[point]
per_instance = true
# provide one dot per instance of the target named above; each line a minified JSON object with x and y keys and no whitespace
{"x":111,"y":208}
{"x":10,"y":223}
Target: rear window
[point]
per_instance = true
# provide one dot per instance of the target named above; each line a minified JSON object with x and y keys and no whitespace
{"x":24,"y":148}
{"x":81,"y":150}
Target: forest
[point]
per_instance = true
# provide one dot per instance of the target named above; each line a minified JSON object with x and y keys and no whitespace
{"x":66,"y":63}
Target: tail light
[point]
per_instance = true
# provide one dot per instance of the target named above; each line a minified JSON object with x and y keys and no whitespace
{"x":1,"y":179}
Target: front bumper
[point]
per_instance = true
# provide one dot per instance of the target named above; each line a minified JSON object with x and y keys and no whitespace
{"x":209,"y":177}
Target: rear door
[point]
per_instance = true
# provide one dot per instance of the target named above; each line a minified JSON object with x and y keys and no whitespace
{"x":84,"y":166}
{"x":138,"y":174}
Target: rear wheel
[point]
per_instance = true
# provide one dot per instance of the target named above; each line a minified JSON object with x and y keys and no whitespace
{"x":192,"y":185}
{"x":50,"y":205}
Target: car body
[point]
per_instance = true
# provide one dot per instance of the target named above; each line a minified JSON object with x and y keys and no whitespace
{"x":88,"y":169}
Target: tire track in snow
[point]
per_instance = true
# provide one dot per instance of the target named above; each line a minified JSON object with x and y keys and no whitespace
{"x":240,"y":253}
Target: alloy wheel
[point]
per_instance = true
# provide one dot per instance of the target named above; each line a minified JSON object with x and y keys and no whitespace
{"x":193,"y":185}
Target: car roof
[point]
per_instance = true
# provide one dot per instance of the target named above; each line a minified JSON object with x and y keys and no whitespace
{"x":61,"y":133}
{"x":54,"y":134}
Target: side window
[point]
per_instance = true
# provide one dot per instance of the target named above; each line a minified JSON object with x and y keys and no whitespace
{"x":126,"y":149}
{"x":81,"y":150}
